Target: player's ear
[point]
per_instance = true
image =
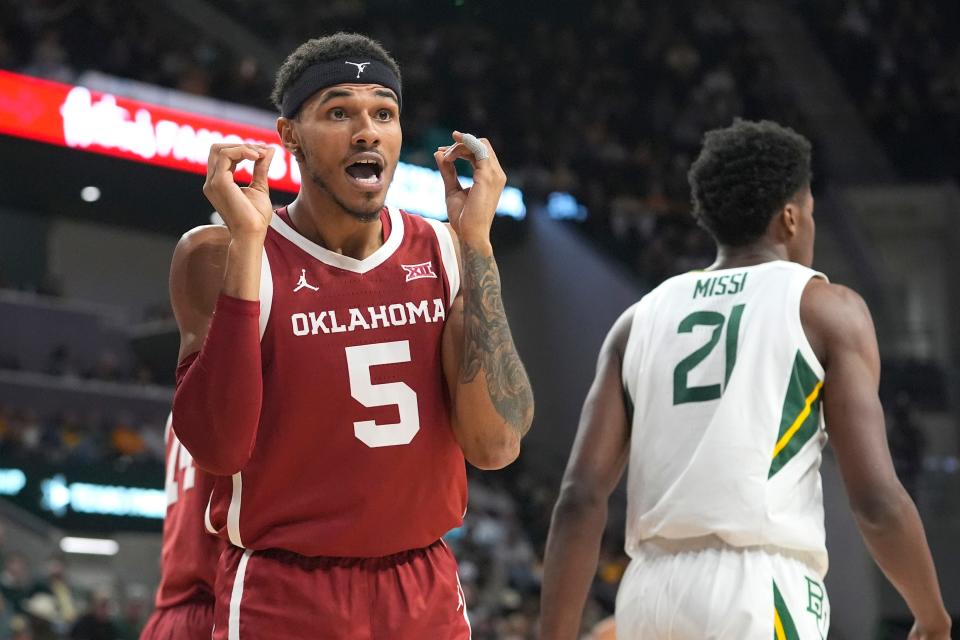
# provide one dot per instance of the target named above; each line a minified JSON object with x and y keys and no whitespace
{"x":790,"y":219}
{"x":289,"y":137}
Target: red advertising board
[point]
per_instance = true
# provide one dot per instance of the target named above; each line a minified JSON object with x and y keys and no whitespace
{"x":79,"y":118}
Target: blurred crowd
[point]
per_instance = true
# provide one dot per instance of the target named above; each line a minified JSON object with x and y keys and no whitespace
{"x":900,"y":60}
{"x":606,"y":100}
{"x":77,"y":438}
{"x":43,"y":603}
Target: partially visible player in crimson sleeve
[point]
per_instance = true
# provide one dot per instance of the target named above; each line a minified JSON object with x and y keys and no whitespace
{"x":188,"y":561}
{"x":350,"y":357}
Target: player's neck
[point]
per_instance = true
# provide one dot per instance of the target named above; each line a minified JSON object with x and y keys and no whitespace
{"x":747,"y":256}
{"x":325,"y":223}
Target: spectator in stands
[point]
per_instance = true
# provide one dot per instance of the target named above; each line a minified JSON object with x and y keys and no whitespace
{"x":55,"y":584}
{"x":51,"y":443}
{"x":127,"y":441}
{"x":40,"y":611}
{"x":6,"y":617}
{"x":152,"y":433}
{"x":9,"y":438}
{"x":106,"y":368}
{"x":26,"y":430}
{"x":72,"y":433}
{"x":97,"y":623}
{"x":18,"y":628}
{"x":60,"y":362}
{"x":130,"y":624}
{"x":15,"y":580}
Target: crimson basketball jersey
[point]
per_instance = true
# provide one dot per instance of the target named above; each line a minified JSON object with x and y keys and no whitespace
{"x":188,"y":560}
{"x":355,"y":455}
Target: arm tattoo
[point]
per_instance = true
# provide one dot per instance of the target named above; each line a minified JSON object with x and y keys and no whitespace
{"x":488,"y":345}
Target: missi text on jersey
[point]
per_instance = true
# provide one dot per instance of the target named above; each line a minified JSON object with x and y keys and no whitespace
{"x":727,"y":284}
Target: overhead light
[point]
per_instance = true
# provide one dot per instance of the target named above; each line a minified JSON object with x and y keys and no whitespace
{"x":90,"y":546}
{"x":90,"y":194}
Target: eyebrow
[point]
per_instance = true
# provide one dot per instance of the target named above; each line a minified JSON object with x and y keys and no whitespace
{"x":386,"y":93}
{"x":332,"y":94}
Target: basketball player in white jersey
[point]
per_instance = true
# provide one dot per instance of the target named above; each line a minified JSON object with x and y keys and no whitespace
{"x":720,"y":388}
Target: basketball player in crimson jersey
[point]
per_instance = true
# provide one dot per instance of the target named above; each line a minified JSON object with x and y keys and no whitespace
{"x":184,"y":601}
{"x":339,"y":360}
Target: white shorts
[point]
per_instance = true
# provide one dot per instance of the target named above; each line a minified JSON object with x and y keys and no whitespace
{"x":720,"y":592}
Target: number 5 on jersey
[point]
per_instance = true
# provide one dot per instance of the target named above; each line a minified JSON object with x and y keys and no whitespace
{"x":682,"y":391}
{"x":359,"y":361}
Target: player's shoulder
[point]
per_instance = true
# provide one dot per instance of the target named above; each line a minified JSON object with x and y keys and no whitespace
{"x":417,"y":223}
{"x":200,"y":257}
{"x":619,"y":334}
{"x":204,"y":237}
{"x":819,"y":295}
{"x":830,"y":312}
{"x":432,"y":230}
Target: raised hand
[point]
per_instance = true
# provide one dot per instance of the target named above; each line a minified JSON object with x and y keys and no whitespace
{"x":245,"y":210}
{"x":471,"y":210}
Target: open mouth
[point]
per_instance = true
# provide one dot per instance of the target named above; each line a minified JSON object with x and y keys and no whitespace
{"x":366,"y":172}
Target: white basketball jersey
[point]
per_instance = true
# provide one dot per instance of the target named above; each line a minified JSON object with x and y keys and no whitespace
{"x":727,"y":429}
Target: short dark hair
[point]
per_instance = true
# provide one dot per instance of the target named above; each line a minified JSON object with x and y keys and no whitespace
{"x":744,"y":175}
{"x":333,"y":47}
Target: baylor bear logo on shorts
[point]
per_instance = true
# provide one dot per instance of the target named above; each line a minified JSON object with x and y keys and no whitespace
{"x":817,"y":606}
{"x":815,"y":598}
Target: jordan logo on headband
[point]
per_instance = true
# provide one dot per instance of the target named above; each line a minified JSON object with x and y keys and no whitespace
{"x":360,"y":66}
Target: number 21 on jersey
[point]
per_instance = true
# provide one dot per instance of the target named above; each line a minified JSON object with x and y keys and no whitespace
{"x":682,"y":391}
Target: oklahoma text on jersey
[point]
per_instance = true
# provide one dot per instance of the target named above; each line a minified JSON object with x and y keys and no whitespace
{"x":394,"y":315}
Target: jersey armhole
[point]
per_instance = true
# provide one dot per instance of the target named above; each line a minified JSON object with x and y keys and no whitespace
{"x":796,"y":293}
{"x":207,"y":524}
{"x":266,"y":292}
{"x":448,"y":255}
{"x":629,"y":366}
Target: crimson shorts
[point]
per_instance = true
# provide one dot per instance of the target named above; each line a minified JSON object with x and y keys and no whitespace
{"x":413,"y":595}
{"x":187,"y":621}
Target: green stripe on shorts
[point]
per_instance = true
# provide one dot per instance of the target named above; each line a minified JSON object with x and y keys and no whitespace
{"x":783,"y":626}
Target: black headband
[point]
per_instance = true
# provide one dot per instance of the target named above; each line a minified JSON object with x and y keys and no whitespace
{"x":326,"y":74}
